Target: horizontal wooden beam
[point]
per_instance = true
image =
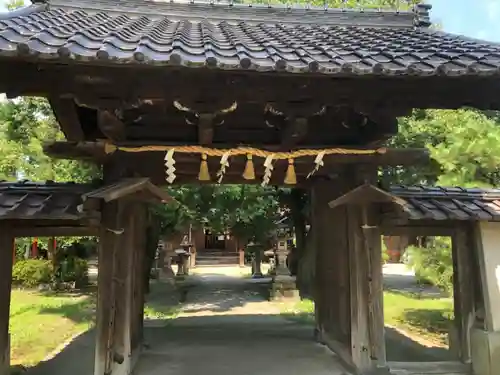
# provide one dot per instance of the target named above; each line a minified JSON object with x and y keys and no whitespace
{"x":436,"y":229}
{"x":429,"y":368}
{"x":54,"y":231}
{"x":89,"y":150}
{"x":75,"y":151}
{"x":103,"y":85}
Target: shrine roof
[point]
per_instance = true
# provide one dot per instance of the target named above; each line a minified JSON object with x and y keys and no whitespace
{"x":242,"y":37}
{"x":449,"y":203}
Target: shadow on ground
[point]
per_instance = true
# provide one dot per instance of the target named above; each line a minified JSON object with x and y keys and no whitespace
{"x":435,"y":321}
{"x":399,"y":347}
{"x":223,"y":293}
{"x":75,"y":359}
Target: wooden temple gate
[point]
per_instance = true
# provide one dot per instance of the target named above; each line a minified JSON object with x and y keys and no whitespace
{"x":54,"y":209}
{"x":171,"y":91}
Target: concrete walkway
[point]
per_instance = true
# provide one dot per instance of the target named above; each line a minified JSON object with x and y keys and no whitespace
{"x":227,"y":327}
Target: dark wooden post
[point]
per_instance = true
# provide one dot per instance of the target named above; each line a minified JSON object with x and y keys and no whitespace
{"x":122,"y":349}
{"x":106,"y":300}
{"x":138,"y":281}
{"x":464,"y":273}
{"x":6,"y":244}
{"x":331,"y":281}
{"x":348,"y":277}
{"x":120,"y":288}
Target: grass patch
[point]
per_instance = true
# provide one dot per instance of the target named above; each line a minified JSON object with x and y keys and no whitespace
{"x":40,"y":322}
{"x":300,"y":312}
{"x":429,"y":318}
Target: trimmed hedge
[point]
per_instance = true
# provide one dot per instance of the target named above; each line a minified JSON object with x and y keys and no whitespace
{"x":32,"y":272}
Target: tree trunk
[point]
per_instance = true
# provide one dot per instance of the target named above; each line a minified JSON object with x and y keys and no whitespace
{"x":299,"y":223}
{"x":153,"y":236}
{"x":307,"y":267}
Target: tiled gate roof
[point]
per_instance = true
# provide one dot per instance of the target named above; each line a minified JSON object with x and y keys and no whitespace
{"x":446,"y":203}
{"x":41,"y":201}
{"x":63,"y":201}
{"x":243,"y":38}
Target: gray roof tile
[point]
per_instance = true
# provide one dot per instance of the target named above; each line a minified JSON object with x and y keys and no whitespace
{"x":449,"y":203}
{"x":242,"y":38}
{"x":41,"y":201}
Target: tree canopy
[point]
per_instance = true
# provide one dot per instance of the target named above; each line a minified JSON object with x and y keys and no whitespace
{"x":25,"y":125}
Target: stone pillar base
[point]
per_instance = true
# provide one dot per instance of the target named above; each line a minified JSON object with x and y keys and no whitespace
{"x":167,"y":274}
{"x":485,"y":347}
{"x":284,"y":287}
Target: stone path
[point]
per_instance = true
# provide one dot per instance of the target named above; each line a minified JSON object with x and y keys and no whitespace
{"x":398,"y":277}
{"x":227,"y":327}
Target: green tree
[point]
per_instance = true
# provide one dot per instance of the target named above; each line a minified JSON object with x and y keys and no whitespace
{"x":463,"y":145}
{"x":25,"y":125}
{"x":14,"y":4}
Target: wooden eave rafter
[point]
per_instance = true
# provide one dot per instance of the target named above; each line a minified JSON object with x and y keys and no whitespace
{"x":129,"y":187}
{"x":367,"y":194}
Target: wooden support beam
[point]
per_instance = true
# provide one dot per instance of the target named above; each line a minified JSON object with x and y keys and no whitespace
{"x":65,"y":111}
{"x":391,"y":157}
{"x":122,"y":335}
{"x":464,"y":274}
{"x":109,"y":251}
{"x":418,"y":229}
{"x":206,"y":128}
{"x":429,"y":368}
{"x":131,"y":82}
{"x":138,"y":273}
{"x":294,"y":132}
{"x":110,"y":125}
{"x":57,"y":231}
{"x":348,"y":288}
{"x":331,"y":281}
{"x":75,"y":151}
{"x":6,"y":261}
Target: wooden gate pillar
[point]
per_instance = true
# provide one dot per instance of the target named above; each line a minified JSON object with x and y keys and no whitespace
{"x":348,"y":277}
{"x":465,"y":276}
{"x":120,"y":288}
{"x":6,"y":245}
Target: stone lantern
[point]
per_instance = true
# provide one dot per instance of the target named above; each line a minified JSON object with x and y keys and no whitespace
{"x":256,"y":259}
{"x":283,"y":285}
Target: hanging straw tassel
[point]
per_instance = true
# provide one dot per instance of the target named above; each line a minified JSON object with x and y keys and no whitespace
{"x":204,"y":174}
{"x":249,"y":173}
{"x":290,"y":177}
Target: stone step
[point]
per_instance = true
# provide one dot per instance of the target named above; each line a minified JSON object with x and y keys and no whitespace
{"x":216,"y":260}
{"x":216,"y":253}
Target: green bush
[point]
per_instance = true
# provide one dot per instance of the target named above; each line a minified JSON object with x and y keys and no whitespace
{"x":75,"y":270}
{"x":433,"y":264}
{"x":32,"y":272}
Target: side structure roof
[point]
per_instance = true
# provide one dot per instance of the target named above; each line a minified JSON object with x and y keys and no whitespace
{"x":242,"y":37}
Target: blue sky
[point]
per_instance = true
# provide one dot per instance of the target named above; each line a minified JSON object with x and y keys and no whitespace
{"x":475,"y":18}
